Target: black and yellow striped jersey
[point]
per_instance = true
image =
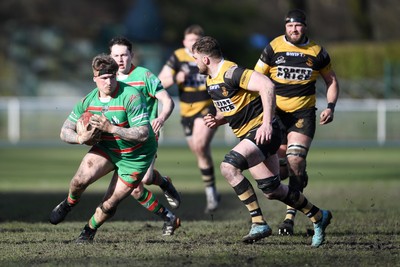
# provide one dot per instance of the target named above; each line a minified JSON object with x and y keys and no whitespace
{"x":193,"y":95}
{"x":241,"y":108}
{"x":294,"y":70}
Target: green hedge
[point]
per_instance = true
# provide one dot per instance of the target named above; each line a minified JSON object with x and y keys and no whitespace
{"x":363,"y":59}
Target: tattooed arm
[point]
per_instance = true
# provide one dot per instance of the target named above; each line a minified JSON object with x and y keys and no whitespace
{"x":136,"y":134}
{"x":68,"y":133}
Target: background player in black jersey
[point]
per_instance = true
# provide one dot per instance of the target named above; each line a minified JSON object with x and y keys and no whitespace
{"x":293,"y":62}
{"x":194,"y":103}
{"x":245,"y":99}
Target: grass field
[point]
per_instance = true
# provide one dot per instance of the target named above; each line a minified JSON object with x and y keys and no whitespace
{"x":359,"y":185}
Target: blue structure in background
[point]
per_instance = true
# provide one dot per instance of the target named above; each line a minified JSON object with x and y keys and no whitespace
{"x":258,"y":40}
{"x":143,"y":22}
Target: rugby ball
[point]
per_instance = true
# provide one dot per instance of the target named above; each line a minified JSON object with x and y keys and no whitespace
{"x":83,"y":125}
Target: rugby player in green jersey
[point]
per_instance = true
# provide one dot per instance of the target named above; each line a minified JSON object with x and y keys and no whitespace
{"x":127,"y":149}
{"x":153,"y":91}
{"x":245,"y":99}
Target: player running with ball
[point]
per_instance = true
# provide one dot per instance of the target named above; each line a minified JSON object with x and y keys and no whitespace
{"x":127,"y":149}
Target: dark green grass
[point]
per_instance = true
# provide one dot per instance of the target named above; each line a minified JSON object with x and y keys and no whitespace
{"x":359,"y":185}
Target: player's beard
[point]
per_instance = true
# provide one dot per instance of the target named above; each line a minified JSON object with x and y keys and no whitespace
{"x":296,"y":39}
{"x":203,"y":70}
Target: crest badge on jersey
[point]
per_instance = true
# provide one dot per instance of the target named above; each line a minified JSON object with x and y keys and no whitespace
{"x":105,"y":109}
{"x":300,"y":123}
{"x":224,"y":91}
{"x":309,"y":62}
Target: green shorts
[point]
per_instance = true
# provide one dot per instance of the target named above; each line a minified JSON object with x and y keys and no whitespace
{"x":131,"y":167}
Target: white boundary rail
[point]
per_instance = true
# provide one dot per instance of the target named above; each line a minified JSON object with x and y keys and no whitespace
{"x":14,"y":110}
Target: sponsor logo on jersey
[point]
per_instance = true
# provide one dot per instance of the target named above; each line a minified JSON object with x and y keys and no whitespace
{"x":293,"y":73}
{"x":213,"y":87}
{"x":280,"y":60}
{"x":140,"y":117}
{"x":224,"y":105}
{"x":114,"y":120}
{"x":139,"y":107}
{"x":295,"y":54}
{"x":195,"y":80}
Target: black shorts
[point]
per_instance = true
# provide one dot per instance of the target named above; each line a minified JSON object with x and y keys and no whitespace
{"x":188,"y":122}
{"x":270,"y":148}
{"x":300,"y":121}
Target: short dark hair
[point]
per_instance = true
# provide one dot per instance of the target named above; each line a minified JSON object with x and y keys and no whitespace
{"x":195,"y":29}
{"x":209,"y":46}
{"x":296,"y":15}
{"x":120,"y":40}
{"x":104,"y":64}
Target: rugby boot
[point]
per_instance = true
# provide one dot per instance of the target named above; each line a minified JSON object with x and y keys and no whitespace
{"x":171,"y":194}
{"x":257,"y":232}
{"x":170,"y":225}
{"x":213,"y":199}
{"x":59,"y":213}
{"x":86,"y":236}
{"x":319,"y":228}
{"x":286,"y":227}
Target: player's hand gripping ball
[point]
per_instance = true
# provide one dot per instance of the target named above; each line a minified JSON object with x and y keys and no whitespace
{"x":87,"y":133}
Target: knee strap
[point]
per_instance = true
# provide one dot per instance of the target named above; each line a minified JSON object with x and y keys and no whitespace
{"x":237,"y":160}
{"x":268,"y":185}
{"x":297,"y":150}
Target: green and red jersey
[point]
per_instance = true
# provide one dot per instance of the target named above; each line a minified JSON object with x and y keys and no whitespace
{"x":145,"y":81}
{"x":126,"y":108}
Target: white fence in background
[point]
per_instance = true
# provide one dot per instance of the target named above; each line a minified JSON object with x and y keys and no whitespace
{"x":39,"y":119}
